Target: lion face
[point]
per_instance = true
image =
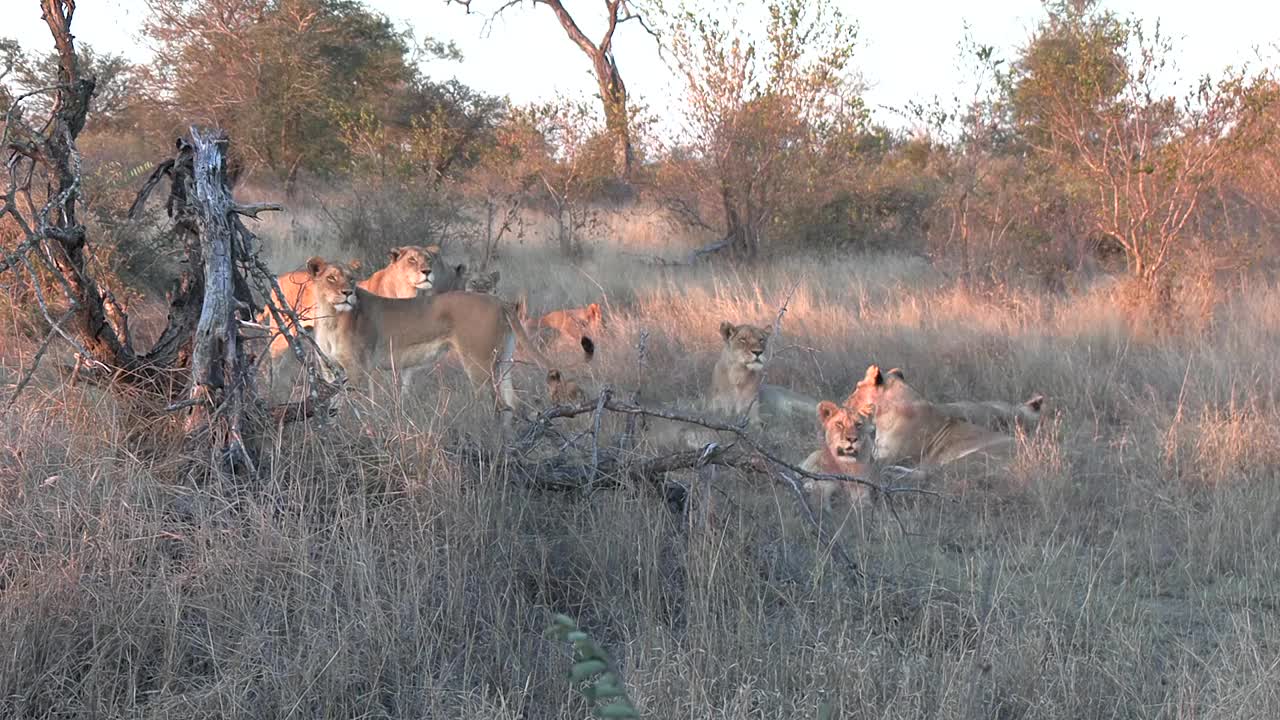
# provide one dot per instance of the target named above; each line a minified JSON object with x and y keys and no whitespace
{"x":412,"y":264}
{"x":564,"y":392}
{"x":486,"y":283}
{"x":746,"y":343}
{"x":850,"y":434}
{"x":333,"y":284}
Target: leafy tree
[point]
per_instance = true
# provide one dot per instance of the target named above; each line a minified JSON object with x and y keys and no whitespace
{"x":765,"y":116}
{"x":280,"y":75}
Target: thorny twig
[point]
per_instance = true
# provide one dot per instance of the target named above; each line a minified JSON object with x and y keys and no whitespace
{"x":773,"y":333}
{"x":595,"y":435}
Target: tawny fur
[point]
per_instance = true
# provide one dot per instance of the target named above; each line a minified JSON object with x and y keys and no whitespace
{"x":570,"y":323}
{"x":848,"y":440}
{"x":484,"y":283}
{"x":562,"y":391}
{"x":998,"y":415}
{"x":408,"y":272}
{"x":366,"y":333}
{"x":737,"y":386}
{"x":910,"y":429}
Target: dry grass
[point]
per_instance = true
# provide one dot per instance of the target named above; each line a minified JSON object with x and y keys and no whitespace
{"x":381,"y":576}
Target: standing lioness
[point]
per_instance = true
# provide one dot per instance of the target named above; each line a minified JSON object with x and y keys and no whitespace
{"x":408,"y":272}
{"x":365,"y":332}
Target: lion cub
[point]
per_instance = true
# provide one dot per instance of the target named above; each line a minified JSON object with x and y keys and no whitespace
{"x":561,"y":391}
{"x":848,"y":439}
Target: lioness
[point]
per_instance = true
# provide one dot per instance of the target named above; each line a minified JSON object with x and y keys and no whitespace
{"x":736,"y":386}
{"x":570,"y":323}
{"x":485,"y":283}
{"x":913,"y":430}
{"x":365,"y":332}
{"x":408,"y":272}
{"x":848,"y":438}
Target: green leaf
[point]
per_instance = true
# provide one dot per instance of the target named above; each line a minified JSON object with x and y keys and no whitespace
{"x":620,"y":709}
{"x":586,"y":669}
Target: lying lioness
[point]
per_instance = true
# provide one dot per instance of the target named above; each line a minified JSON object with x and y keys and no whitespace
{"x":848,"y":438}
{"x":910,"y":429}
{"x":366,"y":333}
{"x":737,"y":385}
{"x":408,"y":273}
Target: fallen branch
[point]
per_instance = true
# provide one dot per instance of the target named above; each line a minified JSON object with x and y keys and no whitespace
{"x":736,"y":431}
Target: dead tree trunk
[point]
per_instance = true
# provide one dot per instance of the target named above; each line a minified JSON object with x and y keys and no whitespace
{"x":212,"y":296}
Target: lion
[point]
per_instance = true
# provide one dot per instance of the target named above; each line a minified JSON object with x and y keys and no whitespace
{"x":449,"y":277}
{"x":848,"y":439}
{"x":408,"y":273}
{"x":910,"y":429}
{"x":366,"y":333}
{"x":736,"y":381}
{"x":564,"y":392}
{"x":570,"y":323}
{"x":484,"y":283}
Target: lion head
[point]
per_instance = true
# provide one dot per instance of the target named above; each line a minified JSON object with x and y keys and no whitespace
{"x":486,"y":283}
{"x":333,"y":285}
{"x":411,"y":264}
{"x":875,"y":386}
{"x":561,"y":391}
{"x":744,"y":345}
{"x":850,"y":434}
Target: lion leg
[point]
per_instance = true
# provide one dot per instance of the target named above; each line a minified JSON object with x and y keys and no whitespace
{"x":504,"y":391}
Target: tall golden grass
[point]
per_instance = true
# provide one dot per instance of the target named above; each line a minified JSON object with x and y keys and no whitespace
{"x":383,"y":575}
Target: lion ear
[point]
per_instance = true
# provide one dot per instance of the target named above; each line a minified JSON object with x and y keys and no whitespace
{"x":897,"y":374}
{"x":432,"y":249}
{"x":874,"y":376}
{"x":726,"y":330}
{"x":316,"y":265}
{"x":826,"y":409}
{"x":395,"y":253}
{"x":460,"y":268}
{"x":1035,"y":403}
{"x":354,"y":265}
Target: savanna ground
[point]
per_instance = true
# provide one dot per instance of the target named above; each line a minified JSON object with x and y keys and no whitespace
{"x":1125,"y":569}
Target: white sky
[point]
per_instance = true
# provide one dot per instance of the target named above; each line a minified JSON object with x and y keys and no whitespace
{"x":907,"y":50}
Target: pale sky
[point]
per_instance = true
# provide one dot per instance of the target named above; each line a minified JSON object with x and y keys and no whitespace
{"x":907,"y":50}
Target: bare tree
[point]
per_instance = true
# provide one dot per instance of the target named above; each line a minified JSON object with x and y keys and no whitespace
{"x":613,"y":91}
{"x":202,"y":341}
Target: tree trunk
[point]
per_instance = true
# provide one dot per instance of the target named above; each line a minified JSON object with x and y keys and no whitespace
{"x":613,"y":93}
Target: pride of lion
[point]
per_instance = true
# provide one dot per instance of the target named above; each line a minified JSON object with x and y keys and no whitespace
{"x":407,"y":314}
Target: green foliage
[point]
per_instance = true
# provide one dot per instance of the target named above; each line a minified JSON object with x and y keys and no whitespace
{"x":591,"y":670}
